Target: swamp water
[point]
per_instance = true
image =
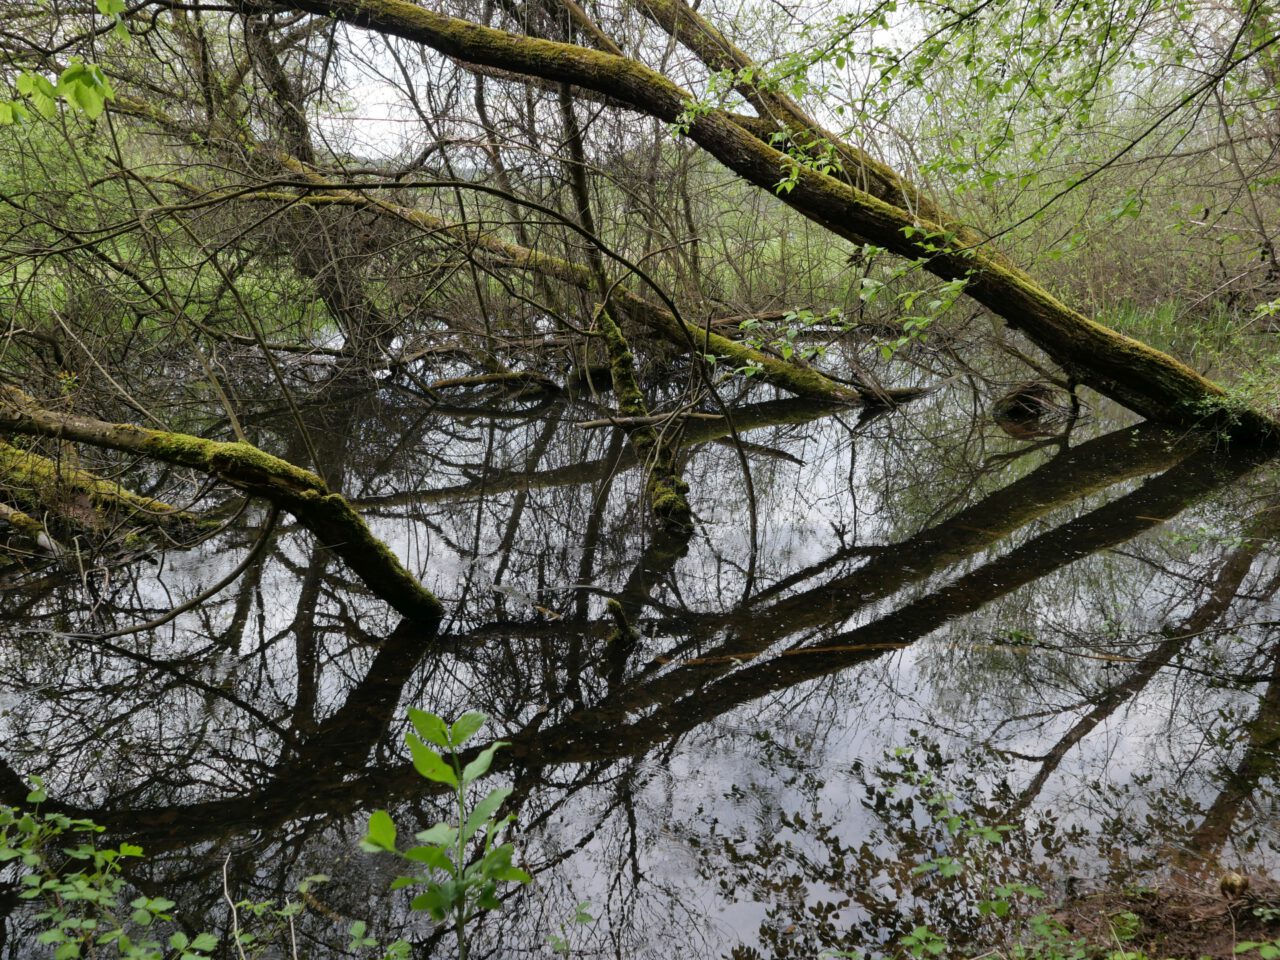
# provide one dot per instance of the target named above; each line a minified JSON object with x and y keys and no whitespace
{"x":907,"y":618}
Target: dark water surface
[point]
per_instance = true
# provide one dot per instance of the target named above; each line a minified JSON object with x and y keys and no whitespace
{"x":1074,"y":637}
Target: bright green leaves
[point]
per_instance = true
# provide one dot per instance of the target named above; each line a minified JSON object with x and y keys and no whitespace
{"x":115,"y":9}
{"x":147,"y":910}
{"x":192,"y":949}
{"x":465,"y":727}
{"x":382,"y":832}
{"x":484,"y":811}
{"x":785,"y":338}
{"x":459,"y":867}
{"x":430,"y":727}
{"x":478,"y":767}
{"x":82,"y":86}
{"x":922,"y":942}
{"x":42,"y":94}
{"x":800,"y":153}
{"x":78,"y":894}
{"x":433,"y":765}
{"x":429,"y":763}
{"x":85,"y":87}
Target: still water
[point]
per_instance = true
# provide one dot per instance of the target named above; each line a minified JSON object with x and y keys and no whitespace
{"x":901,"y":618}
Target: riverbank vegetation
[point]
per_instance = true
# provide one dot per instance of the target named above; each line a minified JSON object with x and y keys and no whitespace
{"x":230,"y":229}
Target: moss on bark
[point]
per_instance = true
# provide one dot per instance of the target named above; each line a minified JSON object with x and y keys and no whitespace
{"x":1142,"y":378}
{"x":326,"y":514}
{"x":44,"y":484}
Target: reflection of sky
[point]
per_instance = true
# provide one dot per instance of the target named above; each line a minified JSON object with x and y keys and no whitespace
{"x":733,"y":778}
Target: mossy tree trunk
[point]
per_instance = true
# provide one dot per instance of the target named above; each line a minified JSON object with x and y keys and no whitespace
{"x":259,"y":474}
{"x":1128,"y":371}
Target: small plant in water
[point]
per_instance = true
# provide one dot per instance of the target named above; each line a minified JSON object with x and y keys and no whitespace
{"x":458,"y":866}
{"x":561,"y":943}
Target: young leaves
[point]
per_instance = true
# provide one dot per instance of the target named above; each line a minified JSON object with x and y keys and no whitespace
{"x":381,"y":834}
{"x":429,"y":763}
{"x":82,"y":86}
{"x":458,"y":874}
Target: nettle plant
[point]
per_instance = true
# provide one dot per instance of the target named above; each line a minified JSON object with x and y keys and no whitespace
{"x":458,"y":866}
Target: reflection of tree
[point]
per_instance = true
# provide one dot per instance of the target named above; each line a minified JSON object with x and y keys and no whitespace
{"x":1220,"y":594}
{"x":263,"y":722}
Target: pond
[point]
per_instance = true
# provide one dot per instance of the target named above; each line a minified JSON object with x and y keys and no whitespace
{"x":903,"y":659}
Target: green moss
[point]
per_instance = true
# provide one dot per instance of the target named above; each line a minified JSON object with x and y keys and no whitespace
{"x":40,"y":482}
{"x":669,"y":501}
{"x":23,"y":525}
{"x":327,"y":515}
{"x":239,"y":463}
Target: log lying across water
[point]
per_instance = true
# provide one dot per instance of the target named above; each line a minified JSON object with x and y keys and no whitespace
{"x":259,"y":474}
{"x":865,"y":202}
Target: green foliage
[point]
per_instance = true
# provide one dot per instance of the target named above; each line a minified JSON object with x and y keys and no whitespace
{"x":783,"y":338}
{"x":82,"y":901}
{"x":1125,"y":925}
{"x":922,"y":942}
{"x":458,"y":866}
{"x":79,"y":892}
{"x":81,"y":86}
{"x":562,"y":943}
{"x":1265,"y":949}
{"x":803,"y":153}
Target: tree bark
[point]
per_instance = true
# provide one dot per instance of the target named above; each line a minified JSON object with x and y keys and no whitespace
{"x":1142,"y":378}
{"x":327,"y":515}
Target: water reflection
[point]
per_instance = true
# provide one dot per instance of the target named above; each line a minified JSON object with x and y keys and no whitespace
{"x":1076,"y":636}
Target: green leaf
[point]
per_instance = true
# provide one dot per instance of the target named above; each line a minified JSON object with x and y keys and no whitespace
{"x":483,"y":810}
{"x":430,"y":727}
{"x":437,"y":900}
{"x":442,"y":834}
{"x":47,"y":107}
{"x":382,"y":831}
{"x":429,"y":763}
{"x":478,"y":767}
{"x":466,"y":726}
{"x":204,"y":941}
{"x":512,"y":875}
{"x":432,"y":856}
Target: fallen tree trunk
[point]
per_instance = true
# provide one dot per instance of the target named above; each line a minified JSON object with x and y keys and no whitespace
{"x":327,"y":515}
{"x":797,"y":380}
{"x":28,"y":534}
{"x":81,"y":498}
{"x":1126,"y":370}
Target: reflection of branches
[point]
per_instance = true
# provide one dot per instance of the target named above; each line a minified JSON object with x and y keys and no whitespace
{"x":1221,"y":594}
{"x":200,"y":598}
